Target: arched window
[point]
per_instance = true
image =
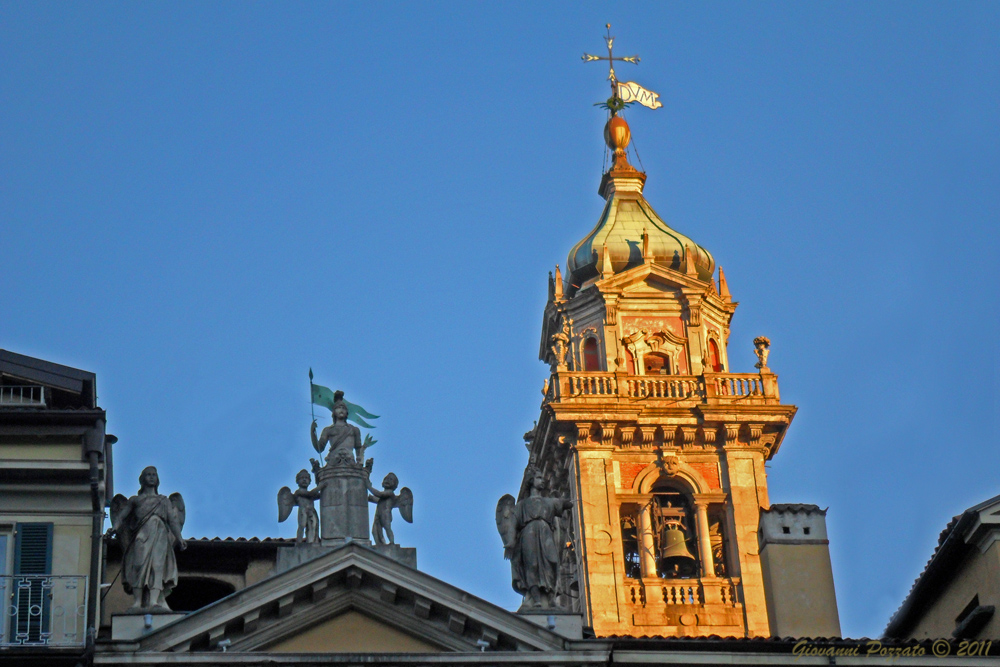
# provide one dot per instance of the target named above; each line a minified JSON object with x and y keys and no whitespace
{"x":674,"y":533}
{"x":714,"y":359}
{"x":591,"y":357}
{"x":656,"y":364}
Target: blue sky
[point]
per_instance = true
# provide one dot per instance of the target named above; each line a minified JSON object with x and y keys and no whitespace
{"x":200,"y":201}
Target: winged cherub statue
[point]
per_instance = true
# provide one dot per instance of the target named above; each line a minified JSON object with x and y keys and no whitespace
{"x":386,"y":500}
{"x":528,"y":532}
{"x":304,"y":498}
{"x":149,"y":526}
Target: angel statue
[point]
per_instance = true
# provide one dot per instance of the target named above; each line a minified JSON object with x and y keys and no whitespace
{"x":305,"y":499}
{"x":386,"y":500}
{"x":148,"y":526}
{"x":528,"y":530}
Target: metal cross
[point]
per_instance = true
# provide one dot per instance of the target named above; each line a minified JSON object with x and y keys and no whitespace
{"x":587,"y":58}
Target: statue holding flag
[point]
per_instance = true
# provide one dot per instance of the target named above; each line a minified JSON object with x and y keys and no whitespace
{"x":341,"y":436}
{"x":343,"y":481}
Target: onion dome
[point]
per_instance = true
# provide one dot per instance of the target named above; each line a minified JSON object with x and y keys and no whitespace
{"x":626,"y":217}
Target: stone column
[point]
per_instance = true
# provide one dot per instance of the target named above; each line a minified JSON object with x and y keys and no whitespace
{"x":343,"y":503}
{"x":646,"y":544}
{"x":704,"y":541}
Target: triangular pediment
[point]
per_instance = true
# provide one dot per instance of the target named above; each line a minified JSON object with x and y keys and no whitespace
{"x":352,"y":632}
{"x":351,"y":600}
{"x":650,"y":278}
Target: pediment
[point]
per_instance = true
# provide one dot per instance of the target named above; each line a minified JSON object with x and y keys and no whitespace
{"x":650,"y":278}
{"x":351,"y":600}
{"x":352,"y":632}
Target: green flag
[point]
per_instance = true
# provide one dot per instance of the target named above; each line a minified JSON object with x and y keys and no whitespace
{"x":324,"y":396}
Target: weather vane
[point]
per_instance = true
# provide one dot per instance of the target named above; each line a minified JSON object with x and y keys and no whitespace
{"x":622,"y":94}
{"x":588,"y":58}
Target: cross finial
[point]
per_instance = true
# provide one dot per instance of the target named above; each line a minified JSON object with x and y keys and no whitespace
{"x":588,"y":58}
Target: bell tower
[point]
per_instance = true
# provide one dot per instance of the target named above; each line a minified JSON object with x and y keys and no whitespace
{"x":644,"y":426}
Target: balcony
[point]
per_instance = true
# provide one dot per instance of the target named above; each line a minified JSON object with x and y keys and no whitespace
{"x":692,"y":607}
{"x":43,"y":610}
{"x":710,"y":388}
{"x":25,"y":396}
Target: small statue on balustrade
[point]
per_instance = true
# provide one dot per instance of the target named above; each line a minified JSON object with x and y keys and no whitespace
{"x":386,"y":500}
{"x":559,"y":345}
{"x":762,"y":348}
{"x":530,"y":532}
{"x":304,"y":498}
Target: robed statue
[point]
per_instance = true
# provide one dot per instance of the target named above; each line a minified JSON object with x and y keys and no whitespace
{"x":148,"y":526}
{"x":528,"y":529}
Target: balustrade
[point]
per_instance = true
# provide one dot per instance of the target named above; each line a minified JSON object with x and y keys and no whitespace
{"x":593,"y":384}
{"x":43,"y":610}
{"x":679,"y":386}
{"x":683,"y":595}
{"x":694,"y":592}
{"x":712,"y":387}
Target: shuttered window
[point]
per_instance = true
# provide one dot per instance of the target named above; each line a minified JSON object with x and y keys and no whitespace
{"x":32,"y":555}
{"x":33,"y":548}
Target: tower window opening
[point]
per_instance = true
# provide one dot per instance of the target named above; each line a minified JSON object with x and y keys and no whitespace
{"x":630,"y":545}
{"x":786,"y":530}
{"x":718,"y":537}
{"x":714,"y":358}
{"x":591,"y":358}
{"x":656,"y":364}
{"x":806,"y":530}
{"x":673,"y":531}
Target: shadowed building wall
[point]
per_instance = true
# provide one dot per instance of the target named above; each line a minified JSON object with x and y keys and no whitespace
{"x":798,"y":576}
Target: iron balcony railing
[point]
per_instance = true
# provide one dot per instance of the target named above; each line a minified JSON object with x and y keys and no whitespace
{"x":23,"y":396}
{"x":43,"y":610}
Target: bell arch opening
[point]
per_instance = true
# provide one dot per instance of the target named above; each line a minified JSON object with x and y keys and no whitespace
{"x":674,"y":533}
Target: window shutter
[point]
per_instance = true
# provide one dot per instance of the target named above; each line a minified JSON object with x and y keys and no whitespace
{"x":33,"y":548}
{"x":29,"y":622}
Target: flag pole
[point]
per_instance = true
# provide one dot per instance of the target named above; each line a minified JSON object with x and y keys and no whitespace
{"x":312,"y":406}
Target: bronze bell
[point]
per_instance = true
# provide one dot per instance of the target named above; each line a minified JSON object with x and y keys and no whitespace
{"x":673,"y":544}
